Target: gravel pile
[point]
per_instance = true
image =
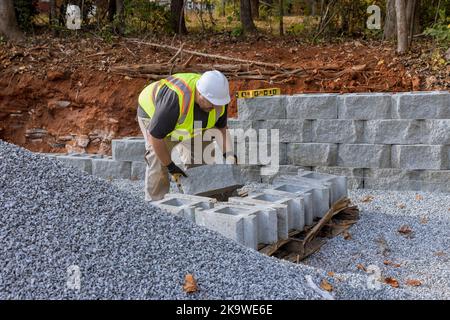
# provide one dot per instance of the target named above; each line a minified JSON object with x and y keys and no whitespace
{"x":55,"y":220}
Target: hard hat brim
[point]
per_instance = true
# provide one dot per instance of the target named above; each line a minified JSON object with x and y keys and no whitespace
{"x":219,"y":102}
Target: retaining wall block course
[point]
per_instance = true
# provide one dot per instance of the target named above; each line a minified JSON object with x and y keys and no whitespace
{"x":311,"y":106}
{"x":365,"y":106}
{"x":364,"y":156}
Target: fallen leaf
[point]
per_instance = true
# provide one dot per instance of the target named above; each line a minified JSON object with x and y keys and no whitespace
{"x":361,"y":267}
{"x":347,"y":235}
{"x":325,"y":285}
{"x":392,"y":282}
{"x":424,"y":220}
{"x":390,"y":263}
{"x":190,"y":284}
{"x":368,"y":198}
{"x":405,"y":229}
{"x":440,"y":253}
{"x":401,"y":205}
{"x":413,"y":283}
{"x":330,"y":274}
{"x":419,"y":197}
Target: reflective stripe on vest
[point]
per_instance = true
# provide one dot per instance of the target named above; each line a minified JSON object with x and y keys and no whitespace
{"x":184,"y":91}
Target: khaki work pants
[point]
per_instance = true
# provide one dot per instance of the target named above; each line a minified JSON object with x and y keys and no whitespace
{"x":157,"y":182}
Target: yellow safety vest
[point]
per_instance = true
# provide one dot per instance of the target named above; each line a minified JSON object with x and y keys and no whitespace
{"x":184,"y":85}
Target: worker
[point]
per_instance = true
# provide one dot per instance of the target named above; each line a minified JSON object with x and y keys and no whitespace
{"x":167,"y":112}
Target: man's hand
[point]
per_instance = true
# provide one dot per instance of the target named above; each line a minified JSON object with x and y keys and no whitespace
{"x":174,"y":170}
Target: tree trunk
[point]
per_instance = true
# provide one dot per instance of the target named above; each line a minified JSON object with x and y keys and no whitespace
{"x":177,"y":16}
{"x":390,"y":23}
{"x":402,"y":26}
{"x":255,"y":8}
{"x":281,"y":18}
{"x":52,"y":13}
{"x":8,"y":21}
{"x":120,"y":14}
{"x":246,"y":17}
{"x":222,"y":9}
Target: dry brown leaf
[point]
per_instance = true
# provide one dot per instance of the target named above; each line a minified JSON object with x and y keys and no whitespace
{"x":413,"y":282}
{"x":361,"y":267}
{"x":440,"y":253}
{"x":368,"y":198}
{"x":330,"y":274}
{"x":390,"y":263}
{"x":392,"y":282}
{"x":347,"y":235}
{"x":419,"y":197}
{"x":405,"y":229}
{"x":424,"y":220}
{"x":190,"y":284}
{"x":325,"y":285}
{"x":401,"y":205}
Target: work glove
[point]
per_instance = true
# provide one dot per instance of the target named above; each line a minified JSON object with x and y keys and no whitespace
{"x":175,"y":171}
{"x":230,"y":153}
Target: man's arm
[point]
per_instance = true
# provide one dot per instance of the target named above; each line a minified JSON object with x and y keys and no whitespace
{"x":160,"y":148}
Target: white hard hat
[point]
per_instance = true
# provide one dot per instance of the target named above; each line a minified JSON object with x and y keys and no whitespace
{"x":213,"y":85}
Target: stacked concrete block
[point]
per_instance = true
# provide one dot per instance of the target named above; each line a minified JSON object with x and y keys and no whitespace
{"x":280,"y":209}
{"x":420,"y":157}
{"x":238,"y":224}
{"x":338,"y":183}
{"x":320,"y":191}
{"x":129,"y":149}
{"x":364,"y":156}
{"x":365,"y":106}
{"x":111,"y":169}
{"x":421,"y":105}
{"x":282,"y":170}
{"x":392,"y":131}
{"x":311,"y":106}
{"x":438,"y":132}
{"x":354,"y":176}
{"x":337,"y":131}
{"x":262,"y":108}
{"x":138,"y":170}
{"x":82,"y":162}
{"x":290,"y":130}
{"x":312,"y":154}
{"x":212,"y":179}
{"x":184,"y":205}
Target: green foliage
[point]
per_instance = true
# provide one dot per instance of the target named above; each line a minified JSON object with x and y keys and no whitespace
{"x":237,"y":32}
{"x":144,"y":16}
{"x":24,"y":13}
{"x":440,"y":32}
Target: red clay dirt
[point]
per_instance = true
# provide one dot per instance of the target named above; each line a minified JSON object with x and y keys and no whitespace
{"x":65,"y":87}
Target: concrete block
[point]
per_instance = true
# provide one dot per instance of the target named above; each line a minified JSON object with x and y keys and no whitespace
{"x":184,"y":205}
{"x":392,"y":179}
{"x":395,"y":132}
{"x":78,"y":161}
{"x":311,"y":106}
{"x":237,"y":224}
{"x":239,"y":124}
{"x":262,"y":108}
{"x":290,"y":130}
{"x":320,"y":191}
{"x":128,"y":149}
{"x":312,"y":154}
{"x":364,"y":156}
{"x":254,"y":153}
{"x":337,"y":131}
{"x":281,"y":211}
{"x":272,"y":219}
{"x":355,"y":176}
{"x":338,"y":183}
{"x":138,"y":170}
{"x":250,"y":173}
{"x":111,"y":169}
{"x":282,"y":170}
{"x":212,"y":179}
{"x":421,"y":105}
{"x":419,"y":157}
{"x":299,"y":209}
{"x":438,"y":131}
{"x":365,"y":106}
{"x":435,"y":180}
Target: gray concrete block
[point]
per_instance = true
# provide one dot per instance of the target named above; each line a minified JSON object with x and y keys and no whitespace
{"x":419,"y":157}
{"x":262,"y":108}
{"x":212,"y":179}
{"x":337,"y":131}
{"x":239,"y":124}
{"x":435,"y":180}
{"x":395,"y":132}
{"x":111,"y":169}
{"x":250,"y":173}
{"x":138,"y":170}
{"x":392,"y":179}
{"x":355,"y":176}
{"x":421,"y":105}
{"x":78,"y":161}
{"x":338,"y":183}
{"x":238,"y":225}
{"x":267,"y":220}
{"x":320,"y":191}
{"x":128,"y":149}
{"x":312,"y":154}
{"x":290,"y":130}
{"x":299,"y":209}
{"x":438,"y":131}
{"x":283,"y":170}
{"x":184,"y":205}
{"x":311,"y":106}
{"x":254,"y":153}
{"x":281,"y":211}
{"x":364,"y":156}
{"x":365,"y":106}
